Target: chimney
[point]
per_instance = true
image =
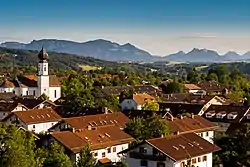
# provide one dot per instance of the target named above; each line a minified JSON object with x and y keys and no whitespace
{"x":171,"y":118}
{"x":192,"y":115}
{"x":89,"y":127}
{"x":105,"y":110}
{"x":177,"y":132}
{"x":73,"y":130}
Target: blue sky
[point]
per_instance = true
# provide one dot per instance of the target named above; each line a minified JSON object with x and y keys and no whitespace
{"x":159,"y":26}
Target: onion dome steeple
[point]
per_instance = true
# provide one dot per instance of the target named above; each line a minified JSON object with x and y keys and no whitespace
{"x":43,"y":55}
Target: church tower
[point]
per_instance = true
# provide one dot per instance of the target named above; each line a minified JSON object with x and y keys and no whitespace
{"x":43,"y":73}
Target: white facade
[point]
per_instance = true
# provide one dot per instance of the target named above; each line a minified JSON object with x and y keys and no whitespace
{"x":130,"y":104}
{"x":208,"y":135}
{"x":35,"y":127}
{"x":163,"y":160}
{"x":109,"y":152}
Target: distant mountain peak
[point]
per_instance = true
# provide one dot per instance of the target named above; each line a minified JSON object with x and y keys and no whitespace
{"x":231,"y":52}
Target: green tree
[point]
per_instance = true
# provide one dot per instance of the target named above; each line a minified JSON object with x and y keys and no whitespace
{"x":236,"y":96}
{"x":235,"y":147}
{"x":55,"y":157}
{"x":143,"y":129}
{"x":212,"y":77}
{"x":76,"y":91}
{"x":151,"y":105}
{"x":173,"y":87}
{"x":17,"y":147}
{"x":43,"y":97}
{"x":193,"y":76}
{"x":86,"y":158}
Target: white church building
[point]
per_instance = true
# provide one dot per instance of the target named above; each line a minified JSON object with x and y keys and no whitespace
{"x":35,"y":85}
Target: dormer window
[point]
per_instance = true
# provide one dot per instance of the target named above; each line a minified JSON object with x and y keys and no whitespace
{"x":220,"y":115}
{"x":248,"y":116}
{"x":232,"y":115}
{"x":210,"y":114}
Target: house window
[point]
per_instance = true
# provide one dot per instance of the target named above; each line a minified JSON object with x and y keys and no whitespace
{"x":34,"y":92}
{"x":109,"y":150}
{"x":44,"y":68}
{"x":103,"y":154}
{"x":204,"y":158}
{"x":199,"y":159}
{"x":201,"y":134}
{"x":55,"y":93}
{"x":34,"y":126}
{"x":96,"y":154}
{"x":194,"y":161}
{"x":206,"y":133}
{"x":114,"y":149}
{"x":144,"y":163}
{"x":27,"y":92}
{"x":142,"y":150}
{"x":160,"y":164}
{"x":14,"y":92}
{"x":183,"y":164}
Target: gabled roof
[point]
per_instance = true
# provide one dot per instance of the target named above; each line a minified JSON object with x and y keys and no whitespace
{"x":8,"y":107}
{"x":7,"y":83}
{"x":211,"y":86}
{"x":180,"y":108}
{"x":66,"y":111}
{"x":190,"y":98}
{"x":241,"y":111}
{"x":179,"y":147}
{"x":118,"y":119}
{"x":32,"y":103}
{"x":140,"y":99}
{"x":192,"y":87}
{"x":183,"y":146}
{"x":36,"y":116}
{"x":100,"y":137}
{"x":191,"y":123}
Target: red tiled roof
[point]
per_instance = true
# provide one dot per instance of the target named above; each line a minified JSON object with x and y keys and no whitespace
{"x":36,"y":115}
{"x":192,"y":87}
{"x":104,"y":160}
{"x":8,"y":84}
{"x":141,"y":98}
{"x":118,"y":119}
{"x":189,"y":124}
{"x":181,"y":147}
{"x":100,"y":137}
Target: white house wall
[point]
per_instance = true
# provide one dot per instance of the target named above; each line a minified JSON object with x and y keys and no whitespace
{"x":112,"y":155}
{"x":52,"y":93}
{"x":133,"y":162}
{"x":207,"y":163}
{"x":41,"y":127}
{"x":208,"y":135}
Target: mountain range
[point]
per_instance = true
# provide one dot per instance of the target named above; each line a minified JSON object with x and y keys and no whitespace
{"x":111,"y":51}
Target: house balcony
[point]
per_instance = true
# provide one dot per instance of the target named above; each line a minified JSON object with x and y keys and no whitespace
{"x":152,"y":157}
